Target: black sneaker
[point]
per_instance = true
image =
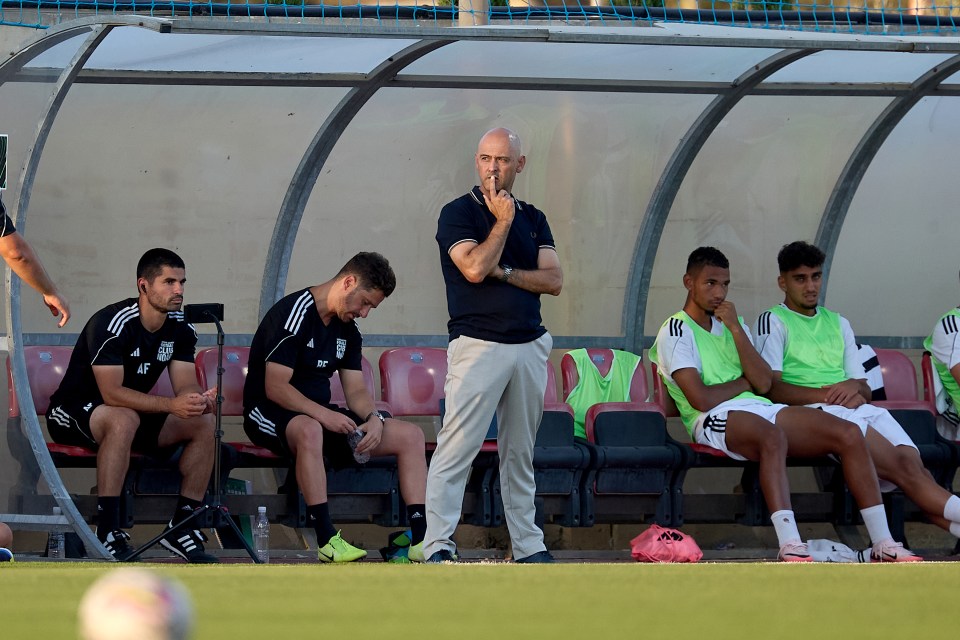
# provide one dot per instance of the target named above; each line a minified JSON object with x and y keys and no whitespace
{"x":118,"y":546}
{"x":540,"y":557}
{"x":443,"y":556}
{"x":188,"y":544}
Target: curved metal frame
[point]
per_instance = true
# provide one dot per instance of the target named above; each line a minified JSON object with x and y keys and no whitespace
{"x":848,"y":182}
{"x":665,"y":193}
{"x":305,"y":177}
{"x":318,"y":151}
{"x":28,"y":413}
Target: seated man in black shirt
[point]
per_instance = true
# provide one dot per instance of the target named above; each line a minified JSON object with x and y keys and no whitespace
{"x":104,"y":402}
{"x":300,"y":343}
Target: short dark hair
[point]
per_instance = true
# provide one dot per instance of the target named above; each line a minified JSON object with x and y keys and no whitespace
{"x":800,"y":254}
{"x":373,"y":272}
{"x":154,"y":260}
{"x":706,"y":257}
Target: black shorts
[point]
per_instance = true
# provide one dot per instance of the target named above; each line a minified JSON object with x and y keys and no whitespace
{"x":69,"y":423}
{"x":266,"y":426}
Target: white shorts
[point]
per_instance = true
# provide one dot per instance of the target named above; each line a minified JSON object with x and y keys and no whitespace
{"x":868,"y":415}
{"x":711,"y":427}
{"x":873,"y":417}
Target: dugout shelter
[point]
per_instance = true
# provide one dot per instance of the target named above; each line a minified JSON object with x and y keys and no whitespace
{"x":266,"y":154}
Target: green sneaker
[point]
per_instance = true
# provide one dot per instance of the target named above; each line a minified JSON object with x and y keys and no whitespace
{"x":339,"y":550}
{"x":399,"y":558}
{"x":415,"y":552}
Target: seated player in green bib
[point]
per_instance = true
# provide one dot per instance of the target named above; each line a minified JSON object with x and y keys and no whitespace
{"x":813,"y":354}
{"x":710,"y":368}
{"x":944,"y":347}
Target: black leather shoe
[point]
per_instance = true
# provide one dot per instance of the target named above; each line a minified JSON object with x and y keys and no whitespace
{"x":541,"y":557}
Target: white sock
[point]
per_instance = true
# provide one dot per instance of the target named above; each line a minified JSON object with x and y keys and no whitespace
{"x":785,"y":524}
{"x":955,"y":529}
{"x":875,"y":519}
{"x":951,"y":510}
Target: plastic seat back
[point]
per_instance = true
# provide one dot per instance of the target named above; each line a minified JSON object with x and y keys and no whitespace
{"x":899,"y":375}
{"x":411,"y":380}
{"x":235,"y":367}
{"x":550,"y":393}
{"x":661,"y":396}
{"x":927,"y":372}
{"x":46,"y":366}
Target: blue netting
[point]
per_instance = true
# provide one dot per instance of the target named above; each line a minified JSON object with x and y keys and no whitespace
{"x":895,"y":17}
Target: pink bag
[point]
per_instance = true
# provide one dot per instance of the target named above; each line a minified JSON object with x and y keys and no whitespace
{"x":659,"y":544}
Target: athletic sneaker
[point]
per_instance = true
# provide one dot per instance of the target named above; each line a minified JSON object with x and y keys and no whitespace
{"x":890,"y":551}
{"x":415,"y":552}
{"x":117,"y":543}
{"x":6,"y":555}
{"x":188,"y":544}
{"x":339,"y":550}
{"x":444,"y":556}
{"x":794,"y":552}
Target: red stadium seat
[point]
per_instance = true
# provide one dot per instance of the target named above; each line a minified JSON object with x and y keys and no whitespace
{"x":234,"y":374}
{"x":899,"y":375}
{"x":45,"y":369}
{"x":411,"y":380}
{"x":927,"y":372}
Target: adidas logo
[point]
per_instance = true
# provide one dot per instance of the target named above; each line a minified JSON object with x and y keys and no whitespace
{"x":310,"y":344}
{"x":416,"y":514}
{"x":136,"y":353}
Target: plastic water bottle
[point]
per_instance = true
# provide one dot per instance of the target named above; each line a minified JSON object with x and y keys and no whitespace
{"x":354,"y":439}
{"x":56,"y":541}
{"x":261,"y":536}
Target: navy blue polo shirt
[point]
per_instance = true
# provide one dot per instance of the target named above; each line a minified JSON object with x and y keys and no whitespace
{"x":492,"y":310}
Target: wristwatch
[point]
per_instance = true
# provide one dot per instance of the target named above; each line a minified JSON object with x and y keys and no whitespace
{"x":377,"y":414}
{"x":507,"y":272}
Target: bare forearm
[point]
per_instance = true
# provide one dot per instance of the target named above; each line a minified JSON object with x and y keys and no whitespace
{"x":549,"y":281}
{"x":132,"y":399}
{"x":478,"y":263}
{"x":360,"y":403}
{"x":24,"y":262}
{"x":755,"y":368}
{"x":792,"y":394}
{"x":288,"y":397}
{"x":710,"y":396}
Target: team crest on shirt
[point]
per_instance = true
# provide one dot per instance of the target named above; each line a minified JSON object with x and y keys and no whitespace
{"x":341,"y":348}
{"x":165,"y":352}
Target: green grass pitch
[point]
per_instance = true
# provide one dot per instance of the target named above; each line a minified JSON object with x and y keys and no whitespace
{"x":494,"y":600}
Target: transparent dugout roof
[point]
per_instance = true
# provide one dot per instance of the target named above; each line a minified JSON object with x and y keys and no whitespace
{"x":135,"y":49}
{"x":612,"y":119}
{"x":588,"y":60}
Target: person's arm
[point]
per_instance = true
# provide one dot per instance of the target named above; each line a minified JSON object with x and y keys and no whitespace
{"x":477,"y":261}
{"x":110,"y":382}
{"x":854,"y":391}
{"x":279,"y":390}
{"x":678,"y":357}
{"x":183,"y":379}
{"x":847,"y":393}
{"x":546,"y":278}
{"x":704,"y":397}
{"x":361,"y":403}
{"x":755,"y":369}
{"x":23,"y":261}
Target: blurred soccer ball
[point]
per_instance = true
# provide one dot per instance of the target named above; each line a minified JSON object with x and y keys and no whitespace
{"x":135,"y":604}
